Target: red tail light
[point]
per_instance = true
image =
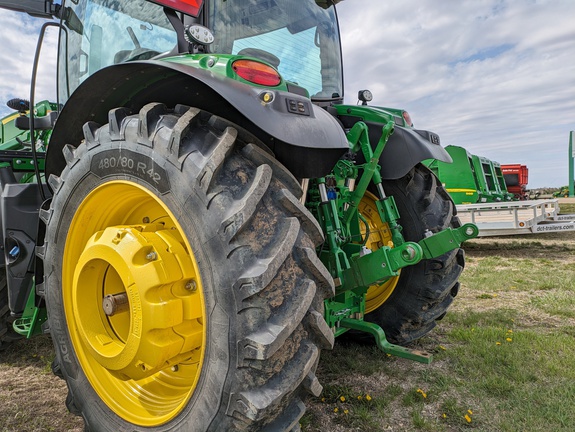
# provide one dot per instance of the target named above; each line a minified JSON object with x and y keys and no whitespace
{"x":407,"y":118}
{"x":189,"y":7}
{"x":256,"y":72}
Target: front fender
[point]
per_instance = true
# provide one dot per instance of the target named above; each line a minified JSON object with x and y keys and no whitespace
{"x":405,"y":148}
{"x":308,"y":144}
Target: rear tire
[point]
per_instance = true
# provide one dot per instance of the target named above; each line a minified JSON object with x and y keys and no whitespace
{"x":253,"y":248}
{"x":424,"y":291}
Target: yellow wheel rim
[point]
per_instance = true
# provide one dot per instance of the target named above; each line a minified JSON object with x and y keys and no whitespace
{"x":133,"y":301}
{"x":379,"y":236}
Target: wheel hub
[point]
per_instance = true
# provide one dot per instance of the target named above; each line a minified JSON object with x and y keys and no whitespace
{"x":146,"y":317}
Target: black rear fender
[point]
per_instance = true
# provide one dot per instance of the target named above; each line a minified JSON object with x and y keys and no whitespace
{"x":308,"y":144}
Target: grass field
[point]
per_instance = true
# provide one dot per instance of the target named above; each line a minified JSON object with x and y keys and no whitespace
{"x":503,"y":358}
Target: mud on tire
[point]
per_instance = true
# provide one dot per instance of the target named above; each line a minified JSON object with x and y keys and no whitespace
{"x":254,"y":244}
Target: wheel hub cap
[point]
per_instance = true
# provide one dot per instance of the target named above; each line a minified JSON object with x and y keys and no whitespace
{"x":158,"y":327}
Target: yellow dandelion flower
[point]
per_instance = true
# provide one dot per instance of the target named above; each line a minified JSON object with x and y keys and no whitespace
{"x":422,"y":393}
{"x":497,"y":343}
{"x":342,"y":398}
{"x":389,"y":355}
{"x":323,"y":399}
{"x":360,"y":397}
{"x":509,"y":331}
{"x":444,"y":415}
{"x":470,"y":412}
{"x":442,"y":347}
{"x":367,"y":397}
{"x":467,"y":418}
{"x":345,"y":411}
{"x":509,"y":340}
{"x":335,"y":410}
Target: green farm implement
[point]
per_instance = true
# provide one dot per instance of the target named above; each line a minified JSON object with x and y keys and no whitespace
{"x":199,"y":214}
{"x":470,"y":178}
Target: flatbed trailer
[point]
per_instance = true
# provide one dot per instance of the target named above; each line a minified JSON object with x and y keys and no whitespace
{"x":517,"y":217}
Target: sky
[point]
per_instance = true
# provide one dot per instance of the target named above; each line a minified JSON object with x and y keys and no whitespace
{"x":496,"y":77}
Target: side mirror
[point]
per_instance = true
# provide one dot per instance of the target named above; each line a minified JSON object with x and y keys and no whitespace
{"x":40,"y":123}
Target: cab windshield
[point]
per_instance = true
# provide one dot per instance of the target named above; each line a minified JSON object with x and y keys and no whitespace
{"x":302,"y":35}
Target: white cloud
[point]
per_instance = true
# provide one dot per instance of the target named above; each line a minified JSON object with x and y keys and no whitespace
{"x":438,"y":60}
{"x":18,"y":38}
{"x":494,"y":76}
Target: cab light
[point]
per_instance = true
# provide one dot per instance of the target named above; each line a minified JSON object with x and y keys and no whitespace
{"x":189,"y":7}
{"x":256,"y":72}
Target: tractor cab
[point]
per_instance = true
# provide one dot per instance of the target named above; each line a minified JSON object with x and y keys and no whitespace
{"x":299,"y":41}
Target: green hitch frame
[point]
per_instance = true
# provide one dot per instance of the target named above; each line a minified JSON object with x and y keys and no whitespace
{"x":30,"y":324}
{"x":383,"y":344}
{"x":358,"y":136}
{"x":436,"y":244}
{"x":352,"y":264}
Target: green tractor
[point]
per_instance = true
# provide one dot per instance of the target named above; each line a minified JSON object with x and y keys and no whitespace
{"x":213,"y":215}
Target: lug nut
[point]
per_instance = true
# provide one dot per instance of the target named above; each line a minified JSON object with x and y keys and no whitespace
{"x":152,"y":256}
{"x":192,"y":285}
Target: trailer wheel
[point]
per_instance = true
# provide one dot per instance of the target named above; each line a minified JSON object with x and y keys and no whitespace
{"x":409,"y":306}
{"x":182,"y":285}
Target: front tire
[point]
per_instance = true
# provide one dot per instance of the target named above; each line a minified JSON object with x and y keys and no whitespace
{"x":200,"y":231}
{"x":423,"y":292}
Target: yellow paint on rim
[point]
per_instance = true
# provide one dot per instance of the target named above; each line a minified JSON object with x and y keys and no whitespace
{"x":379,"y":236}
{"x":144,"y":358}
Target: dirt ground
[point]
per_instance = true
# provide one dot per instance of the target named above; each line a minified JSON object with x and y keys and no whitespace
{"x":33,"y":399}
